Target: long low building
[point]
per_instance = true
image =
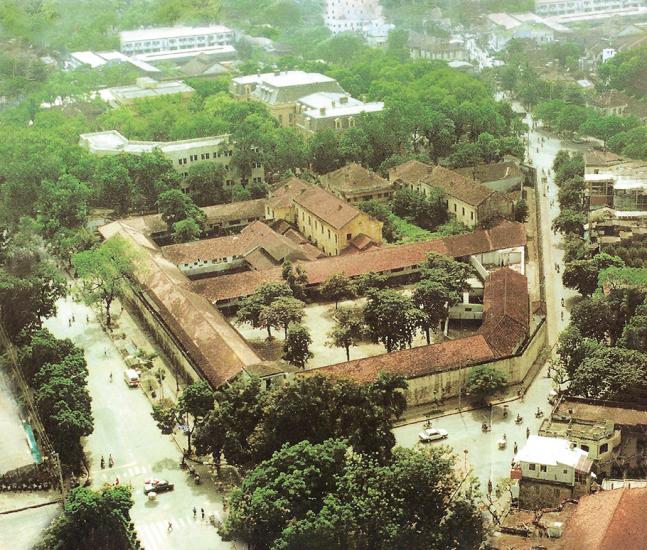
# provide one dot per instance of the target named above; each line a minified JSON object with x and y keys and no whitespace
{"x":392,"y":261}
{"x":182,"y":153}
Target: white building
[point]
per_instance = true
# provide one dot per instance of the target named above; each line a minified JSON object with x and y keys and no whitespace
{"x":175,"y":39}
{"x":352,"y":15}
{"x":332,"y":110}
{"x":181,"y":153}
{"x":95,"y":60}
{"x":144,"y":88}
{"x":587,"y":9}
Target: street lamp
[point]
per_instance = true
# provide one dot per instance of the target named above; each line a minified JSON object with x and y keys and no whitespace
{"x":465,"y":451}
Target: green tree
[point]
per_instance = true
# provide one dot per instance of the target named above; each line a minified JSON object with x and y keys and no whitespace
{"x":573,"y":348}
{"x":582,"y":275}
{"x":205,"y":182}
{"x":381,"y":212}
{"x":521,"y":211}
{"x":347,"y":330}
{"x":571,"y":194}
{"x":296,"y":278}
{"x":296,"y":349}
{"x":114,"y":184}
{"x":570,"y":222}
{"x":251,"y":308}
{"x":41,"y":348}
{"x":371,"y":280}
{"x":434,"y":299}
{"x":283,"y":311}
{"x":391,"y":318}
{"x":484,"y":381}
{"x":64,"y":204}
{"x":175,"y":206}
{"x":93,"y":519}
{"x":185,"y":231}
{"x":104,"y":272}
{"x":337,"y":287}
{"x":593,"y":318}
{"x":634,"y":334}
{"x":240,"y":193}
{"x":324,"y":151}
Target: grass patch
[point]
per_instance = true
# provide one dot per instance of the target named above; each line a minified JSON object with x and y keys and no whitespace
{"x":410,"y":233}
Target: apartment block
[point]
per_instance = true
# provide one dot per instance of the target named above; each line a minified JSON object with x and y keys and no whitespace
{"x":174,"y":39}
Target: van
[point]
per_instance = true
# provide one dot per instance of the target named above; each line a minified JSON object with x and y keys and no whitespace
{"x":131,"y":377}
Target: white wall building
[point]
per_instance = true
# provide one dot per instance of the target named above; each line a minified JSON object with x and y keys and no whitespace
{"x":587,"y":9}
{"x":174,"y":39}
{"x":182,"y":153}
{"x":352,"y":15}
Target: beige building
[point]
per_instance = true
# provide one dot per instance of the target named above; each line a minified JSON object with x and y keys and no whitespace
{"x":145,"y":87}
{"x":327,"y":221}
{"x":330,"y":110}
{"x":467,"y":200}
{"x":182,"y":154}
{"x":281,"y":90}
{"x":354,"y":184}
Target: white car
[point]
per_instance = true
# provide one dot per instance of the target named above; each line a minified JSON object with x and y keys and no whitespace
{"x":432,"y":434}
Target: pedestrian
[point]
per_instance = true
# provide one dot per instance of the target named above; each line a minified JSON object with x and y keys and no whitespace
{"x":110,"y":378}
{"x":73,"y":319}
{"x":195,"y":512}
{"x":527,"y":433}
{"x":116,"y":481}
{"x":105,"y":351}
{"x":515,"y":447}
{"x":170,"y":527}
{"x":87,"y":318}
{"x":202,"y":512}
{"x":489,"y":486}
{"x":69,"y":323}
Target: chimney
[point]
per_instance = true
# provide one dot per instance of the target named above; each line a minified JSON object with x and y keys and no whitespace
{"x":277,"y":73}
{"x":333,"y":104}
{"x":322,"y":111}
{"x":343,"y":100}
{"x":339,"y":207}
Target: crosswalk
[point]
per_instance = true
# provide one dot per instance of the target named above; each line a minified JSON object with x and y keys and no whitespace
{"x":128,"y":473}
{"x":155,"y":535}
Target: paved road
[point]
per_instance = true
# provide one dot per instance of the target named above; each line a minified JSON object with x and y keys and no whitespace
{"x":15,"y":446}
{"x":487,"y":460}
{"x":22,"y":530}
{"x":125,"y":428}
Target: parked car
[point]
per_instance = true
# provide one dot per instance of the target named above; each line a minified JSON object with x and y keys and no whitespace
{"x":157,"y":486}
{"x":432,"y":434}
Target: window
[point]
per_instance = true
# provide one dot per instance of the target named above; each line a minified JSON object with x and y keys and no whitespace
{"x":604,"y":448}
{"x":463,"y":210}
{"x":531,"y":467}
{"x":584,"y":447}
{"x":349,"y":236}
{"x":206,"y":156}
{"x":471,"y":215}
{"x":455,"y":207}
{"x":542,"y":468}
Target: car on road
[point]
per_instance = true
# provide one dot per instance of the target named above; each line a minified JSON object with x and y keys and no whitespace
{"x":432,"y":434}
{"x":157,"y":486}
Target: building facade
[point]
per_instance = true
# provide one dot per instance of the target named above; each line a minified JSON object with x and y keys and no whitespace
{"x":352,"y":15}
{"x":330,"y":110}
{"x":355,"y":184}
{"x":182,"y":154}
{"x":174,"y":39}
{"x":562,"y":8}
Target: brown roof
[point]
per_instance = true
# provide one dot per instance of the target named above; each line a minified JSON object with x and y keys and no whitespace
{"x":456,"y":185}
{"x":354,"y":178}
{"x":257,"y":234}
{"x":504,"y":235}
{"x":285,"y":192}
{"x":601,"y":158}
{"x":492,"y":172}
{"x":215,"y":347}
{"x":327,"y":207}
{"x":506,"y":313}
{"x":608,"y":520}
{"x":611,"y":98}
{"x":412,"y":363}
{"x":411,"y":171}
{"x":620,"y":416}
{"x":252,"y":209}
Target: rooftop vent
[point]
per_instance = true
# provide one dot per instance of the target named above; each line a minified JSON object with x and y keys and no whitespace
{"x":322,"y":111}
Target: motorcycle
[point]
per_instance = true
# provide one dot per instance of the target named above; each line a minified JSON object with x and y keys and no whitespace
{"x":519,"y":419}
{"x":539,"y":413}
{"x":485,"y":427}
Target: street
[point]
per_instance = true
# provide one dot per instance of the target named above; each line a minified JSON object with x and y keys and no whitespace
{"x":124,"y":427}
{"x":465,"y":433}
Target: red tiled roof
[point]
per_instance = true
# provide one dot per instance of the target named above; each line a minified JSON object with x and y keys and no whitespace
{"x":327,"y":207}
{"x":354,"y":178}
{"x":506,"y":311}
{"x":492,"y":172}
{"x":456,"y":185}
{"x":411,"y":171}
{"x":285,"y":193}
{"x":505,"y":235}
{"x":608,"y":520}
{"x":412,"y":363}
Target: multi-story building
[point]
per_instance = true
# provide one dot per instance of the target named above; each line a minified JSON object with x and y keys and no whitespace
{"x":281,"y":91}
{"x":181,"y":153}
{"x":175,"y":39}
{"x":466,"y":200}
{"x":327,"y":221}
{"x":354,"y":184}
{"x":332,"y":110}
{"x":565,"y":9}
{"x":352,"y":15}
{"x":95,"y":60}
{"x":422,"y":46}
{"x":550,"y":470}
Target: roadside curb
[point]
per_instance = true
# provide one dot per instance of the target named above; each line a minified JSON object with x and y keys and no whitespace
{"x":33,"y":506}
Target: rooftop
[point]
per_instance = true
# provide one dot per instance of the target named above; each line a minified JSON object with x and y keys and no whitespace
{"x":280,"y":79}
{"x":456,"y":185}
{"x":354,"y":178}
{"x":411,"y":363}
{"x":504,"y":235}
{"x":326,"y":206}
{"x":170,"y":32}
{"x":98,"y":59}
{"x":113,"y":141}
{"x":608,"y":520}
{"x":286,"y":191}
{"x":551,"y":451}
{"x":592,"y":411}
{"x":411,"y":171}
{"x":492,"y":172}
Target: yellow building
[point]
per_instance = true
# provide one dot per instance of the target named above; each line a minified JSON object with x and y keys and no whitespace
{"x":281,"y":90}
{"x":467,"y":200}
{"x":331,"y":224}
{"x":355,"y":184}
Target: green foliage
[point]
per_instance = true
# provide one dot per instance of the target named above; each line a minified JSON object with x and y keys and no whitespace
{"x":347,"y":330}
{"x":391,"y":318}
{"x":521,"y":211}
{"x":337,"y":287}
{"x":426,"y":211}
{"x":104,"y":271}
{"x":573,"y":348}
{"x":413,"y":501}
{"x":582,"y":275}
{"x":296,"y":349}
{"x":484,"y":381}
{"x":185,"y":231}
{"x":381,"y":212}
{"x":92,"y":519}
{"x":592,"y":317}
{"x":205,"y":183}
{"x":251,"y":308}
{"x":634,"y":334}
{"x":296,"y":278}
{"x":283,"y":311}
{"x":570,"y":222}
{"x":626,"y":71}
{"x":175,"y":206}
